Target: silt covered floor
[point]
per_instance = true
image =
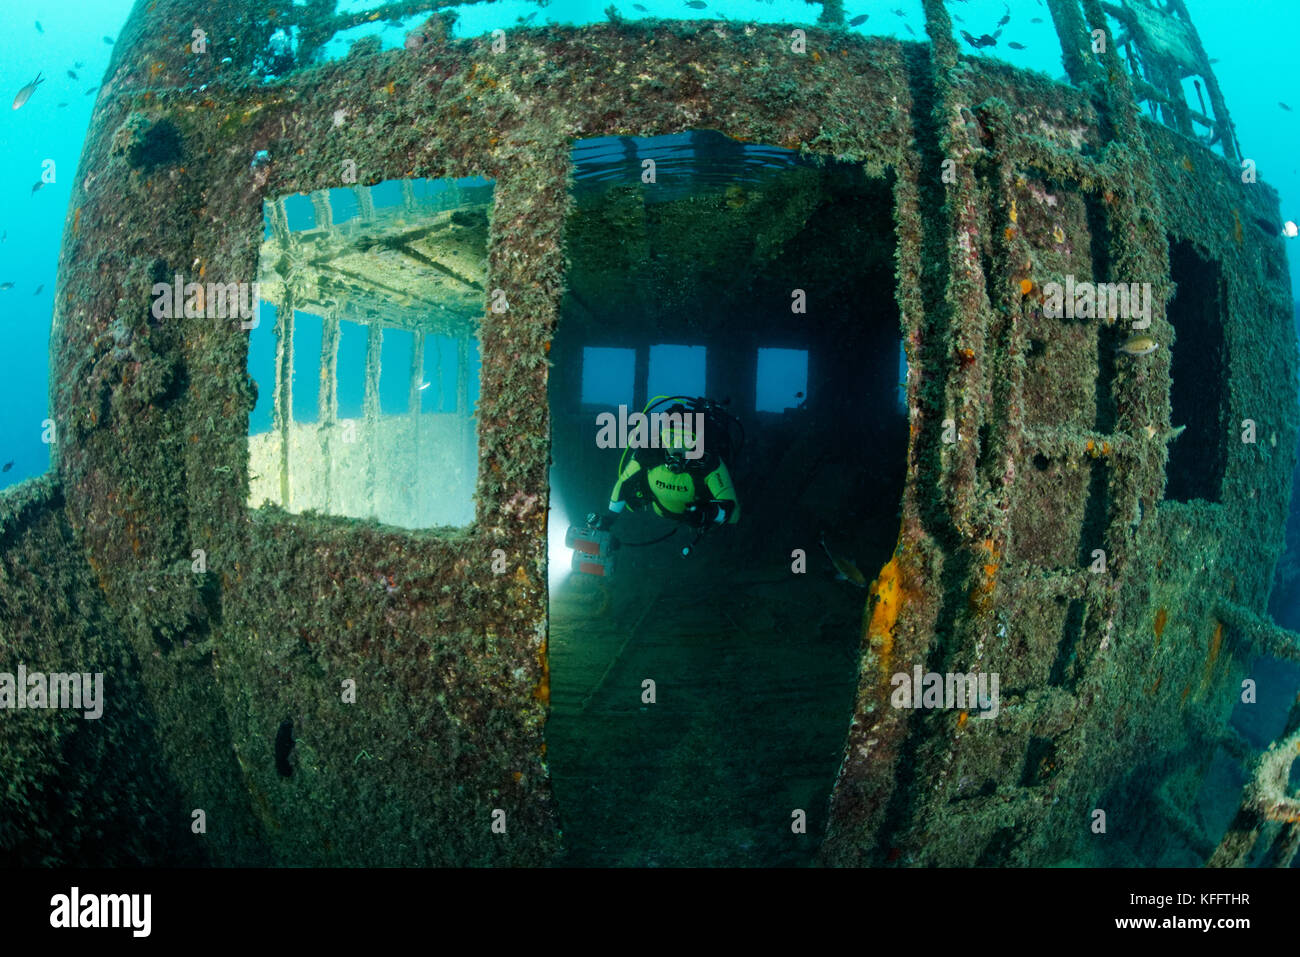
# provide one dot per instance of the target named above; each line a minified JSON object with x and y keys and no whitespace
{"x":754,"y":670}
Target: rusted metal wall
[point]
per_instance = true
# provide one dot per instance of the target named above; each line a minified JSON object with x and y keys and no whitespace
{"x":451,"y":665}
{"x":1113,"y":682}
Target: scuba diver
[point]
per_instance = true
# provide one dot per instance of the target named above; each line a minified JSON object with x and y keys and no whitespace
{"x":682,"y":477}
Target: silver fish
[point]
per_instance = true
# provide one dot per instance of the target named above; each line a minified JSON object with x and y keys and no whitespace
{"x":845,"y":568}
{"x":26,"y":92}
{"x":4,"y":286}
{"x":1139,"y":346}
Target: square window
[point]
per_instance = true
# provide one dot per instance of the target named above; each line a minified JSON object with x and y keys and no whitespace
{"x":342,"y":354}
{"x":608,"y":376}
{"x":676,"y":370}
{"x":782,"y":379}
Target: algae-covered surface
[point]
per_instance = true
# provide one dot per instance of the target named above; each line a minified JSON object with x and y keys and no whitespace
{"x":327,"y":687}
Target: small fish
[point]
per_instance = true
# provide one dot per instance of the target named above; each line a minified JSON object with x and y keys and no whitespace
{"x":26,"y":92}
{"x":1035,"y":19}
{"x":908,"y":28}
{"x":39,"y":28}
{"x":637,"y":6}
{"x":696,"y":4}
{"x":91,"y":90}
{"x":78,"y":65}
{"x":984,"y":40}
{"x":1290,"y":230}
{"x":64,"y":103}
{"x":798,"y":395}
{"x":1016,"y":46}
{"x":860,"y":19}
{"x":108,"y":40}
{"x":846,"y":569}
{"x":38,"y":289}
{"x":1006,"y":18}
{"x":7,"y":466}
{"x":37,"y":185}
{"x":1279,"y":103}
{"x":899,"y":13}
{"x":424,"y":385}
{"x":4,"y":236}
{"x":5,"y":285}
{"x":1138,"y":346}
{"x":73,"y":74}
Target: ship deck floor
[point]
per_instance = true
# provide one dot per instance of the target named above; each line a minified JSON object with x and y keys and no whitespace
{"x":754,"y":671}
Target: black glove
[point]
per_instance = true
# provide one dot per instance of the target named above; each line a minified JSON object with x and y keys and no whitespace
{"x":697,"y":516}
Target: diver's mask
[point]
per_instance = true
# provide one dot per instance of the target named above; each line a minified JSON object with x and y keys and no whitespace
{"x":675,"y":446}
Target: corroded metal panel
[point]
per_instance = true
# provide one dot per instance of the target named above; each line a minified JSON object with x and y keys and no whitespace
{"x":412,"y":676}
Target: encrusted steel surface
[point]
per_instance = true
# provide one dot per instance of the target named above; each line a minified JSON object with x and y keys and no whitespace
{"x":1114,"y":682}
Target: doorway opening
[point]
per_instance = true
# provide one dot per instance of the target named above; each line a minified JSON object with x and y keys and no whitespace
{"x":700,"y":703}
{"x":1198,"y":369}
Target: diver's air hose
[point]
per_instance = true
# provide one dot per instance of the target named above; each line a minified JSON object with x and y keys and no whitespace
{"x":653,"y":541}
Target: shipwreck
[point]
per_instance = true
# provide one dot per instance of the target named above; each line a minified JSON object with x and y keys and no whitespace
{"x":329,"y":638}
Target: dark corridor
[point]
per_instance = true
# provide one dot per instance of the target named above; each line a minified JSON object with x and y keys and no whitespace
{"x":678,"y":285}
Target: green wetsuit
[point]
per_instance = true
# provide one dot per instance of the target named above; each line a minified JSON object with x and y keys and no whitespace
{"x":671,"y":493}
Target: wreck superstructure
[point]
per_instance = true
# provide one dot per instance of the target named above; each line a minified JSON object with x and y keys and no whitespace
{"x":1102,"y":539}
